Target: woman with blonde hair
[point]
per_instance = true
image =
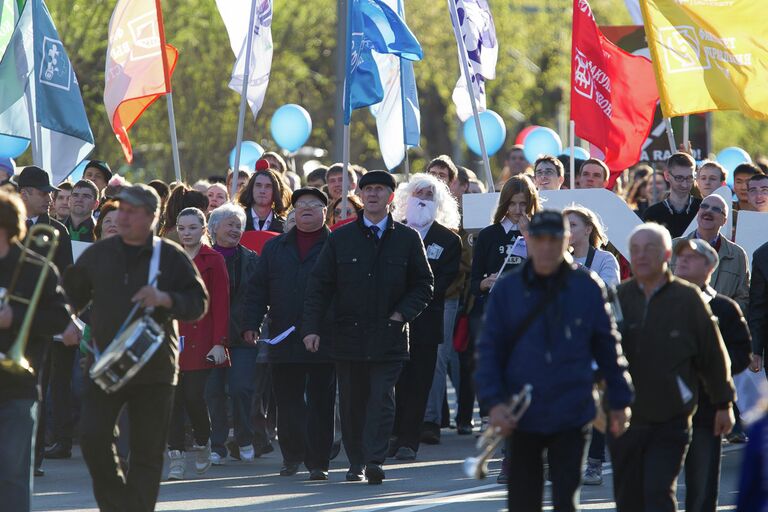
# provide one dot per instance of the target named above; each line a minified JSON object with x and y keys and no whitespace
{"x":587,"y":238}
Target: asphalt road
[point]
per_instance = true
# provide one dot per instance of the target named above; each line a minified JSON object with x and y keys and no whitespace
{"x":433,"y":482}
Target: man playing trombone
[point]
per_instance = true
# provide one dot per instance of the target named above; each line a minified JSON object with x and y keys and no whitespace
{"x":20,"y":323}
{"x":545,"y":324}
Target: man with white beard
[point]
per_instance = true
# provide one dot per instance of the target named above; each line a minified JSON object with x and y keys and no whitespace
{"x":426,"y":205}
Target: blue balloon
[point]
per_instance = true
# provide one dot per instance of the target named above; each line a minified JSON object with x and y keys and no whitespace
{"x":11,"y":147}
{"x":542,"y":141}
{"x":730,"y":158}
{"x":250,"y":152}
{"x":494,"y":132}
{"x":578,"y":152}
{"x":291,"y":127}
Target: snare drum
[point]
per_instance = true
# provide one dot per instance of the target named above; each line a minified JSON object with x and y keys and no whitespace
{"x":127,"y":354}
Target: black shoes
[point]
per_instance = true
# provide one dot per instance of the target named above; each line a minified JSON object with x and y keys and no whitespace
{"x":374,"y":473}
{"x":318,"y":475}
{"x":464,"y":430}
{"x":355,"y":473}
{"x":58,"y":451}
{"x":405,"y":453}
{"x":289,"y":469}
{"x":430,"y":433}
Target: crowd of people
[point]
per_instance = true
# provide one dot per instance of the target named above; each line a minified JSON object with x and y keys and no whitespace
{"x":294,"y":314}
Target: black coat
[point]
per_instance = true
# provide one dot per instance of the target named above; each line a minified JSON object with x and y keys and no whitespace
{"x":758,"y":300}
{"x":109,"y":273}
{"x":279,"y":284}
{"x":62,"y":258}
{"x":368,"y":279}
{"x":50,"y":318}
{"x":240,"y":268}
{"x":277,"y":224}
{"x":443,"y":248}
{"x":737,"y":340}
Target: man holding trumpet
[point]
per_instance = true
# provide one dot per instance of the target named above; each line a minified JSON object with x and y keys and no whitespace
{"x":545,"y":324}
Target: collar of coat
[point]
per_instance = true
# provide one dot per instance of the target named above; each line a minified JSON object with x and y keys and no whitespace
{"x":361,"y":223}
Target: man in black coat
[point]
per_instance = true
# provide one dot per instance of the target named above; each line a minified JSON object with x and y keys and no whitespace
{"x":427,"y":206}
{"x":304,"y":383}
{"x":375,"y":272}
{"x":695,"y":262}
{"x":758,"y":306}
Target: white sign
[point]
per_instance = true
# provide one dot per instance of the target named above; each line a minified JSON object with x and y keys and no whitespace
{"x":78,"y":248}
{"x":751,"y":232}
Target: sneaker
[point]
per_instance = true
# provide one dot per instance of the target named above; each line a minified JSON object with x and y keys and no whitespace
{"x":176,"y":468}
{"x":737,"y":437}
{"x":247,"y":453}
{"x":218,"y":460}
{"x":593,"y":475}
{"x":202,"y":457}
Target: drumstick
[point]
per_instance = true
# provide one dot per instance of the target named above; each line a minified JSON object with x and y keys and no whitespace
{"x":503,"y":265}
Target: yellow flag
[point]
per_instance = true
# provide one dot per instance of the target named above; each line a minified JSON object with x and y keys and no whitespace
{"x":709,"y":55}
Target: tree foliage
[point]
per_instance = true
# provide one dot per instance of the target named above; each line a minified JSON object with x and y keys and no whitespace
{"x":531,"y":84}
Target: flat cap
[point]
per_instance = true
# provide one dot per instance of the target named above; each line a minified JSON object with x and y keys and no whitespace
{"x":377,"y":178}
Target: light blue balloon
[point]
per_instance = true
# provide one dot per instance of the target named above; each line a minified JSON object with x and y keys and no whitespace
{"x":542,"y":141}
{"x":291,"y":127}
{"x":730,"y":159}
{"x":11,"y":147}
{"x":578,"y":152}
{"x":250,"y":152}
{"x":494,"y":133}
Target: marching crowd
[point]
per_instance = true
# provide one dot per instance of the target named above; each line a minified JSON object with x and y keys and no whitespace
{"x":290,"y":313}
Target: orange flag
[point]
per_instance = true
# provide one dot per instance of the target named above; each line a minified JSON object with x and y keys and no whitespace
{"x":139,"y":65}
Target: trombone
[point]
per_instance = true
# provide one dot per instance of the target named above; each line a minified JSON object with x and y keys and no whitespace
{"x":46,"y":238}
{"x":477,"y":467}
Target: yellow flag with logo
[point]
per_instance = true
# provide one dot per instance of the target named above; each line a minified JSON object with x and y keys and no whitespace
{"x":709,"y":55}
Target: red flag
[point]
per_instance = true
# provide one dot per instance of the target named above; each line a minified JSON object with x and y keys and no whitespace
{"x":613,"y":93}
{"x":139,"y":65}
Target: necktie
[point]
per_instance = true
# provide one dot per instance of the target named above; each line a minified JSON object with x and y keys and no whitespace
{"x":30,"y":223}
{"x":375,"y":231}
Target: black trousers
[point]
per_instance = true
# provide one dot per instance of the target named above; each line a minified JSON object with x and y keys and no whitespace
{"x":525,"y":451}
{"x":149,"y":414}
{"x":702,"y":470}
{"x":305,"y":394}
{"x":646,"y":462}
{"x":62,"y":363}
{"x":190,"y":401}
{"x":367,"y":403}
{"x":412,"y":393}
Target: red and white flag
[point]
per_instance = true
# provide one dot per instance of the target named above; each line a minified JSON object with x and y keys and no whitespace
{"x":613,"y":93}
{"x":139,"y":65}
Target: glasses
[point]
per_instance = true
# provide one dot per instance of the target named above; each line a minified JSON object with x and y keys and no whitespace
{"x":308,"y":205}
{"x":714,"y":209}
{"x":681,"y":179}
{"x":545,"y":173}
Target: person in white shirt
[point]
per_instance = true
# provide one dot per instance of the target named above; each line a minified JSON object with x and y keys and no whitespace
{"x":587,"y":236}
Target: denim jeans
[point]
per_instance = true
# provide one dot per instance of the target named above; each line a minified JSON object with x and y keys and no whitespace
{"x":447,"y":364}
{"x":17,"y":426}
{"x":245,"y":377}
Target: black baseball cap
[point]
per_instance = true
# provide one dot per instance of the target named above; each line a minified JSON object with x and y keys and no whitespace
{"x":377,"y":178}
{"x":312,"y":191}
{"x":34,"y":177}
{"x":102,"y":166}
{"x":548,"y":222}
{"x":142,"y":196}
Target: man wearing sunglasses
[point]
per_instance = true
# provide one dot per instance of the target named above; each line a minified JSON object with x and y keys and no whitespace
{"x":679,"y":208}
{"x":731,"y":276}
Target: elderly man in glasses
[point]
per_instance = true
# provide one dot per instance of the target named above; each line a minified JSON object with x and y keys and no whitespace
{"x":678,"y":210}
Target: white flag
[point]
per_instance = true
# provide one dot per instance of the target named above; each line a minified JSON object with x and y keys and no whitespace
{"x":476,"y":26}
{"x":236,"y":15}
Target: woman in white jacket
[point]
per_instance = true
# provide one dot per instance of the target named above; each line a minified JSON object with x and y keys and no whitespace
{"x":587,"y":236}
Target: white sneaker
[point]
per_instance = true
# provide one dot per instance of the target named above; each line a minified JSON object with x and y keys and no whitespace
{"x":202,"y":457}
{"x":217,"y":460}
{"x":176,"y":468}
{"x":247,"y":453}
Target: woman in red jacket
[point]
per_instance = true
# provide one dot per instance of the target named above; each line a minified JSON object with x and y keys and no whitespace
{"x":202,"y":346}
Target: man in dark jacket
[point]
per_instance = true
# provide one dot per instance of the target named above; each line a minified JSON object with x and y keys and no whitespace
{"x":679,"y":208}
{"x":672,"y":343}
{"x":112,"y":275}
{"x":758,"y":306}
{"x":278,"y":285}
{"x":425,"y":203}
{"x":695,"y":262}
{"x":545,"y":323}
{"x":19,"y":394}
{"x":376,"y":273}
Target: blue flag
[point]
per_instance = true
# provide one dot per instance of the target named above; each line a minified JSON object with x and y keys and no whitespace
{"x":40,"y":95}
{"x":372,"y":26}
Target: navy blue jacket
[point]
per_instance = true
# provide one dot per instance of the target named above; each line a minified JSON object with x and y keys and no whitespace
{"x":556,"y":352}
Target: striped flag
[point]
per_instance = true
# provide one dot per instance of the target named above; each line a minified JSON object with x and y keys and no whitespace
{"x":139,"y":65}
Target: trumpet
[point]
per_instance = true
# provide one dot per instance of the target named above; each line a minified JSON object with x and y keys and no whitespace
{"x":477,"y":467}
{"x":46,"y":238}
